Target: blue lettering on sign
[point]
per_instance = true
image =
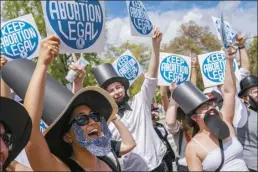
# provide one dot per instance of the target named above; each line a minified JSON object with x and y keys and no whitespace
{"x":174,"y":68}
{"x":19,"y":39}
{"x":213,"y":67}
{"x":128,"y":67}
{"x":139,"y":17}
{"x":43,"y":126}
{"x":230,"y":34}
{"x":77,"y":23}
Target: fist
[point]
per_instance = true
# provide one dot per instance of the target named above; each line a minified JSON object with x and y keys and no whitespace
{"x":230,"y":53}
{"x":157,"y":36}
{"x":80,"y":73}
{"x":194,"y":60}
{"x":240,"y":39}
{"x":49,"y":49}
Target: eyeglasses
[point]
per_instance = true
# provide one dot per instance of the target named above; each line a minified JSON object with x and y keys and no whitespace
{"x":8,"y":139}
{"x":84,"y":119}
{"x":207,"y":104}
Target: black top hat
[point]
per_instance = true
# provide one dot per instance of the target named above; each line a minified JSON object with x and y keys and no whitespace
{"x":189,"y":97}
{"x":247,"y":82}
{"x":105,"y":74}
{"x":17,"y":121}
{"x":59,"y":102}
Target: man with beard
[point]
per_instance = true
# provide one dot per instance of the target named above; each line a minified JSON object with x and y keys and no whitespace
{"x":150,"y":152}
{"x":247,"y":126}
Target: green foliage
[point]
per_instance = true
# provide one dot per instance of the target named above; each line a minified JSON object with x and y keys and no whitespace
{"x":252,"y":54}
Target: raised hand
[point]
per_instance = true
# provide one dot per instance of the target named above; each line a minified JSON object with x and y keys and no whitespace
{"x":80,"y":73}
{"x":156,"y":38}
{"x":240,"y":40}
{"x":3,"y":61}
{"x":230,"y":53}
{"x":194,"y":61}
{"x":49,"y":49}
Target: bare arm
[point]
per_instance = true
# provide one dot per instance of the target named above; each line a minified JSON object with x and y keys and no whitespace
{"x":193,"y":162}
{"x":229,"y":89}
{"x":164,"y":97}
{"x":244,"y":60}
{"x":128,"y":142}
{"x":172,"y":111}
{"x":194,"y":72}
{"x":78,"y":81}
{"x":16,"y":166}
{"x":38,"y":153}
{"x":154,"y":61}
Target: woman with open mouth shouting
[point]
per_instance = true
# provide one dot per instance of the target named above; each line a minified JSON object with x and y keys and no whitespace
{"x":78,"y":138}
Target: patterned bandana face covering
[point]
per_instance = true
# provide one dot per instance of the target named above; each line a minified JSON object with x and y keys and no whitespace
{"x":99,"y":146}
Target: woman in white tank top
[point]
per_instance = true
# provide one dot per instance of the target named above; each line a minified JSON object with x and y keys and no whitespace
{"x":203,"y":152}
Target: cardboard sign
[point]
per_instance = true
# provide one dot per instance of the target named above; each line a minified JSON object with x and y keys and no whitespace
{"x":127,"y":66}
{"x":79,"y":24}
{"x":139,"y":20}
{"x":230,"y":33}
{"x":20,"y":38}
{"x":173,"y":67}
{"x":212,"y":67}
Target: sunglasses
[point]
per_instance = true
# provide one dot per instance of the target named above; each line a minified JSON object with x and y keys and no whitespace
{"x":8,"y":139}
{"x":84,"y":119}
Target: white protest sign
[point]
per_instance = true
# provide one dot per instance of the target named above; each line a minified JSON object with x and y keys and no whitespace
{"x":230,"y":33}
{"x":212,"y":67}
{"x":173,"y":67}
{"x":140,"y":23}
{"x":79,"y":24}
{"x":127,"y":66}
{"x":20,"y":38}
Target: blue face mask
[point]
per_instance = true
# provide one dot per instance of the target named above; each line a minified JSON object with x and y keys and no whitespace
{"x":99,"y":146}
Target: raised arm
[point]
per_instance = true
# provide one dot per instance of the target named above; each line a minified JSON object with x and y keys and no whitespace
{"x":193,"y":71}
{"x":171,"y":121}
{"x":128,"y":142}
{"x":5,"y":89}
{"x":229,"y":88}
{"x":244,"y":60}
{"x":154,"y":61}
{"x":38,"y":153}
{"x":78,"y":81}
{"x":164,"y":97}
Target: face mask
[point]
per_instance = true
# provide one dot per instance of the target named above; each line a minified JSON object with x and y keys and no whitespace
{"x":253,"y":104}
{"x":99,"y":146}
{"x":216,"y":125}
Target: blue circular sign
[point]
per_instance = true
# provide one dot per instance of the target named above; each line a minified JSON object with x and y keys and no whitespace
{"x":128,"y":67}
{"x":139,"y":17}
{"x":19,"y":39}
{"x":213,"y":67}
{"x":174,"y":68}
{"x":78,"y":24}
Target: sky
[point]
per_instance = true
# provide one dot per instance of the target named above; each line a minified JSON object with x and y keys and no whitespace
{"x":169,"y":15}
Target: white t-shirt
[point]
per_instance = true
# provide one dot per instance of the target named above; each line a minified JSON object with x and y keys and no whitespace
{"x":149,"y":149}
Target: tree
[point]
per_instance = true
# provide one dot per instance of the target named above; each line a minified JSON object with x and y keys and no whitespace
{"x":60,"y":65}
{"x":194,"y":39}
{"x":252,"y":54}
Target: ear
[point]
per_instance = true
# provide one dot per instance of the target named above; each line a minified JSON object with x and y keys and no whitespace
{"x":194,"y":117}
{"x":67,"y":138}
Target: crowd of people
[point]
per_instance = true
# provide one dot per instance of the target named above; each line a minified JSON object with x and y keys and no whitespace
{"x":102,"y":128}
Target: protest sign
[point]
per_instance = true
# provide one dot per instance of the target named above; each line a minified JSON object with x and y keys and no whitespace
{"x":173,"y":67}
{"x":79,"y":24}
{"x":140,"y":23}
{"x":230,"y":33}
{"x":127,"y":66}
{"x":20,"y":38}
{"x":212,"y":67}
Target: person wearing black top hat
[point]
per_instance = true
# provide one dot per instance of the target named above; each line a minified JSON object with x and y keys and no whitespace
{"x":247,"y":127}
{"x":149,"y":154}
{"x":78,"y":138}
{"x":14,"y":134}
{"x":216,"y":136}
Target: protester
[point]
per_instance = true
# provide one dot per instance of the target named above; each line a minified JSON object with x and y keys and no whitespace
{"x":161,"y":131}
{"x":14,"y":134}
{"x":216,"y":136}
{"x":247,"y":127}
{"x":80,"y":133}
{"x":149,"y":154}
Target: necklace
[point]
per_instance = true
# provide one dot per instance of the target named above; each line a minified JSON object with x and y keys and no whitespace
{"x":88,"y":169}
